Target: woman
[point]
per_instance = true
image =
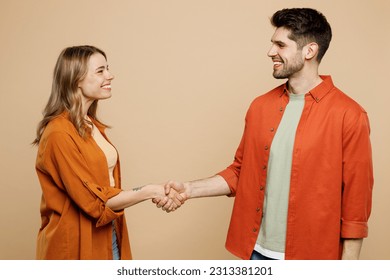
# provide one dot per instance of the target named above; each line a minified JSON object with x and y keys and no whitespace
{"x":78,"y":168}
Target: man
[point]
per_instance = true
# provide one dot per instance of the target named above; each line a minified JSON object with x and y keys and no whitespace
{"x":302,"y":175}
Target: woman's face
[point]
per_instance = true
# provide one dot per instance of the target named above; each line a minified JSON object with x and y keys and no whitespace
{"x":96,"y":84}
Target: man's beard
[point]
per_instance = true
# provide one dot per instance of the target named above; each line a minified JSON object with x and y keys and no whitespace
{"x":289,"y":69}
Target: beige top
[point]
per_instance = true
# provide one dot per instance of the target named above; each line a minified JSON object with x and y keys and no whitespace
{"x":272,"y":236}
{"x":109,"y":151}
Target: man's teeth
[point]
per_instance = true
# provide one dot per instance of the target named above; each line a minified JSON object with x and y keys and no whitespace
{"x":277,"y":63}
{"x":107,"y":87}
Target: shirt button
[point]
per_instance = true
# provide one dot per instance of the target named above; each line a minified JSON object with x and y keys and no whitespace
{"x":266,"y":147}
{"x":258,"y":209}
{"x":272,"y":129}
{"x":281,"y":109}
{"x":254,"y":229}
{"x":261,"y":187}
{"x":264,"y":167}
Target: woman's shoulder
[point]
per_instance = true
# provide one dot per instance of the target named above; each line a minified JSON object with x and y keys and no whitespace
{"x":60,"y":124}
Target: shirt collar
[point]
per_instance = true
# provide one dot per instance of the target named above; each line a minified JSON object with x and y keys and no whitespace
{"x":319,"y":91}
{"x":99,"y":125}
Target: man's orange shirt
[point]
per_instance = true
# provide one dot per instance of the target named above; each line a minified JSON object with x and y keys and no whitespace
{"x":73,"y":172}
{"x":331,"y":176}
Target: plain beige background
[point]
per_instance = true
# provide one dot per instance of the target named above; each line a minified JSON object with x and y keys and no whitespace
{"x":186,"y":72}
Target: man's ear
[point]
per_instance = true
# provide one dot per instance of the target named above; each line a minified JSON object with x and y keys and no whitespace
{"x":311,"y":50}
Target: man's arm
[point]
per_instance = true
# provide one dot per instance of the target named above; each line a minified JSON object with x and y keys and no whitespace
{"x":213,"y":186}
{"x":351,"y":249}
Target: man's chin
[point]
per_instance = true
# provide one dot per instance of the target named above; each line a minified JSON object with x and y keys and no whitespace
{"x":280,"y":77}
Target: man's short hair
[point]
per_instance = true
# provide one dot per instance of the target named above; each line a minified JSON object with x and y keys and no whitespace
{"x":305,"y":25}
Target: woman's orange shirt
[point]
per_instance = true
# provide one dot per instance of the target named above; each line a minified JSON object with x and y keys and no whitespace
{"x":73,"y":173}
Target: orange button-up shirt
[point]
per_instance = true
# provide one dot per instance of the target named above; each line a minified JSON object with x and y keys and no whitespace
{"x":331,"y":176}
{"x":73,"y":173}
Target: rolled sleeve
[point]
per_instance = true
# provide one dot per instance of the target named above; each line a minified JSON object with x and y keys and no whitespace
{"x":353,"y":229}
{"x":357,"y":176}
{"x":232,"y":173}
{"x":63,"y":161}
{"x":231,"y":178}
{"x":107,"y":215}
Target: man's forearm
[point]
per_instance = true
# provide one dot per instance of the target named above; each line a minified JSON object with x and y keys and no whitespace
{"x":213,"y":186}
{"x":351,"y":249}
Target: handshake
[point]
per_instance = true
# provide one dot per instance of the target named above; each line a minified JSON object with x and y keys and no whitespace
{"x":172,"y":195}
{"x":176,"y":194}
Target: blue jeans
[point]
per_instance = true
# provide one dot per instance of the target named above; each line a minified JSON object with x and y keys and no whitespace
{"x":257,"y":256}
{"x":115,"y":249}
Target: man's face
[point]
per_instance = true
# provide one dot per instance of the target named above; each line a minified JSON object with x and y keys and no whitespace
{"x":287,"y":58}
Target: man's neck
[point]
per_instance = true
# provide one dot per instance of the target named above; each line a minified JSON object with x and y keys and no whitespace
{"x":303,"y":83}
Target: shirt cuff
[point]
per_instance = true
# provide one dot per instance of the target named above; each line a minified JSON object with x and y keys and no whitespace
{"x":108,"y":216}
{"x":104,"y":194}
{"x":353,"y":229}
{"x":232,"y":180}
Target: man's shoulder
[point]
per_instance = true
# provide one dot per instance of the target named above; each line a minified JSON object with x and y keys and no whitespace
{"x":336,"y":98}
{"x":345,"y":101}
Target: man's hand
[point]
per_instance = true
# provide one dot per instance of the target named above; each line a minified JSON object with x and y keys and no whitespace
{"x":175,"y":196}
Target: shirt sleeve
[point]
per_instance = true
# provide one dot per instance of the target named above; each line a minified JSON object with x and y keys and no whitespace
{"x":357,"y":176}
{"x":232,"y":173}
{"x":67,"y":167}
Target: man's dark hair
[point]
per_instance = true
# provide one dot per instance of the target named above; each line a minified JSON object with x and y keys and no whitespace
{"x":305,"y":25}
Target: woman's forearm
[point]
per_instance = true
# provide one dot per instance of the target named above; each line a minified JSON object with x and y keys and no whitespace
{"x":127,"y":198}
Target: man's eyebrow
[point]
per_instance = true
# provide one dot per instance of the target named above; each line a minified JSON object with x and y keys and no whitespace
{"x":281,"y":43}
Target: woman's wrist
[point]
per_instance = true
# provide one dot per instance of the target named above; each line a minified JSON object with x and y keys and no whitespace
{"x":150,"y":191}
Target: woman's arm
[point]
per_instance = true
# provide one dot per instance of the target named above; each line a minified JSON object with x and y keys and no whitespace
{"x":127,"y":198}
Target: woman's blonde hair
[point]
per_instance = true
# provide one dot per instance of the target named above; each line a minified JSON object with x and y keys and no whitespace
{"x":70,"y":69}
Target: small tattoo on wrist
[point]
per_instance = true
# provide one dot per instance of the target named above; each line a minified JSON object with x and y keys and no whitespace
{"x":137,"y":189}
